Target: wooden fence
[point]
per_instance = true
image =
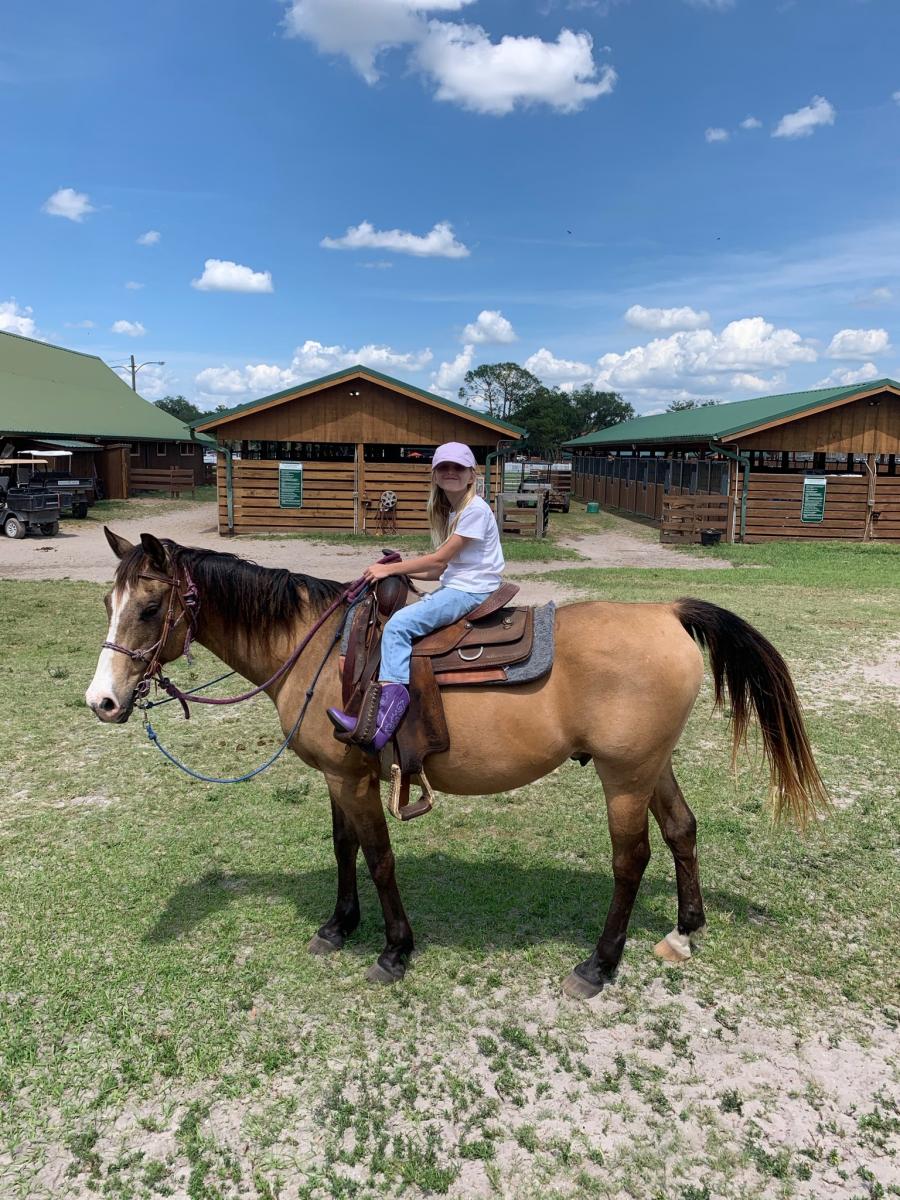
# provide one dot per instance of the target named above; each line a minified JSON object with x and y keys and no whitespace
{"x":336,"y":495}
{"x":684,"y":517}
{"x":526,"y":517}
{"x":173,"y":480}
{"x":328,"y":498}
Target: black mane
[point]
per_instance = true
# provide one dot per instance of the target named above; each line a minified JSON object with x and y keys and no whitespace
{"x":256,"y":600}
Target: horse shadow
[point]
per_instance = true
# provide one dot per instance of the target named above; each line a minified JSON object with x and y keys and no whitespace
{"x":452,"y":902}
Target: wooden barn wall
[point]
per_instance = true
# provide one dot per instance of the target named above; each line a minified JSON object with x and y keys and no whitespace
{"x":328,"y":498}
{"x":774,"y":502}
{"x":864,"y":427}
{"x":331,"y":493}
{"x":377,"y":415}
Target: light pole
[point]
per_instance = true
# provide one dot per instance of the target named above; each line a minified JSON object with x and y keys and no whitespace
{"x":134,"y":367}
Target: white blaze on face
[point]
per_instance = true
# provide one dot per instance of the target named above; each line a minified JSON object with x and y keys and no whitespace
{"x":103,"y":684}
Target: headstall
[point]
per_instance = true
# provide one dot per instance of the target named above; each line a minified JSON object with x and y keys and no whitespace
{"x":189,"y":599}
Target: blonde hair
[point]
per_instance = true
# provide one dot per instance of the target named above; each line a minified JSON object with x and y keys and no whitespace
{"x":439,"y":510}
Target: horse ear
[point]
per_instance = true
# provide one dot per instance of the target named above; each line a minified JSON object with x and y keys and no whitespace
{"x":155,"y":551}
{"x":119,"y":545}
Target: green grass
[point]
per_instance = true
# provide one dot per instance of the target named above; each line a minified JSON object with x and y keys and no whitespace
{"x":153,"y":969}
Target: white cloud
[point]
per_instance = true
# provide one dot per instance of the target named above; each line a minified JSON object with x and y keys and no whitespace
{"x":845,"y":376}
{"x":439,"y":242}
{"x":16,"y":320}
{"x":553,"y":370}
{"x":876,"y":297}
{"x":150,"y":238}
{"x":133,"y":286}
{"x":363,"y":31}
{"x":859,"y":343}
{"x":802,"y":122}
{"x":717,"y":5}
{"x":745,"y":382}
{"x":895,"y":96}
{"x":308,"y":362}
{"x":717,"y":135}
{"x":221,"y":275}
{"x":666,"y":320}
{"x":751,"y":123}
{"x":699,"y":358}
{"x":466,"y":67}
{"x":129,"y":328}
{"x":377,"y":264}
{"x":79,"y":324}
{"x":489,"y":326}
{"x":66,"y":202}
{"x":496,"y":77}
{"x":449,"y":375}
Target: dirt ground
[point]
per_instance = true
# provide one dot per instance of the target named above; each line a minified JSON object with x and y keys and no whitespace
{"x":81,"y":552}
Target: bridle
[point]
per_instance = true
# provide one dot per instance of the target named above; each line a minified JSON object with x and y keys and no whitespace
{"x":181,"y":592}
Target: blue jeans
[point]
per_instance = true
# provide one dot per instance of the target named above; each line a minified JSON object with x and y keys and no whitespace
{"x":433,"y":611}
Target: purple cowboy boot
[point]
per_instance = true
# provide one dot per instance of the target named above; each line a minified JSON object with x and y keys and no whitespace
{"x":382,"y":710}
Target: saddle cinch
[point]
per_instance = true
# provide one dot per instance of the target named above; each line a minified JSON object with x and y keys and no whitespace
{"x":478,"y":649}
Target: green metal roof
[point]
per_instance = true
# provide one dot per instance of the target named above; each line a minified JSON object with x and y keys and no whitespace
{"x":472,"y":414}
{"x":722,"y":422}
{"x":67,"y":443}
{"x":47,"y":389}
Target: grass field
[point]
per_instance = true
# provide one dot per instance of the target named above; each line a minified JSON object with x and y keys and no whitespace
{"x":164,"y":1033}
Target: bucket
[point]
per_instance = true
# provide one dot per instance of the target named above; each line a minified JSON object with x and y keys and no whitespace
{"x":592,"y":506}
{"x":710,"y":537}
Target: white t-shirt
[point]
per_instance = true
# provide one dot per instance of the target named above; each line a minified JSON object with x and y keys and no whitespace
{"x":479,"y":565}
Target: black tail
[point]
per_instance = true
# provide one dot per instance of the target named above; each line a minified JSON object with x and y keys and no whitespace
{"x":757,"y":680}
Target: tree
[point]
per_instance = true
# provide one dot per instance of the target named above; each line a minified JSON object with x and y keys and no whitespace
{"x":549,"y":417}
{"x":501,"y":388}
{"x":685,"y":405}
{"x":597,"y":410}
{"x":179,"y":407}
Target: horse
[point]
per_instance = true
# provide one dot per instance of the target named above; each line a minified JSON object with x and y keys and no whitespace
{"x":624,"y":680}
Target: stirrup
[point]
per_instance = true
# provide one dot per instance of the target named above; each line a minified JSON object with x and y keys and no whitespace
{"x":398,"y":801}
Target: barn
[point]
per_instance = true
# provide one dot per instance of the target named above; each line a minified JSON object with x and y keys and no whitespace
{"x":816,"y":464}
{"x":350,"y":451}
{"x":52,"y":398}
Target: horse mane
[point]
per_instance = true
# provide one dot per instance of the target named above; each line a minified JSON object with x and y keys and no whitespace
{"x":255,"y":600}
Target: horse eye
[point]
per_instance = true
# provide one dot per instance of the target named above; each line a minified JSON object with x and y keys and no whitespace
{"x":147,"y":613}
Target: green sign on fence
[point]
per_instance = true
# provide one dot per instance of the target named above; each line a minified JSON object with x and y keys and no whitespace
{"x":812,"y":507}
{"x":290,"y":485}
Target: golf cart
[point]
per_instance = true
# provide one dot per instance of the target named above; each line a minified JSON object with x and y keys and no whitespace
{"x":29,"y":507}
{"x":76,"y":493}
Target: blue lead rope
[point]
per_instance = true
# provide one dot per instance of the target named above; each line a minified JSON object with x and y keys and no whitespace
{"x":153,"y":736}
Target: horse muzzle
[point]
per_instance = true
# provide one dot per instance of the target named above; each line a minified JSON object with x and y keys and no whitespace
{"x":107,"y":709}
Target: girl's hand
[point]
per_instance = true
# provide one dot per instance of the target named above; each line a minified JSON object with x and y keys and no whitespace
{"x":377,"y":571}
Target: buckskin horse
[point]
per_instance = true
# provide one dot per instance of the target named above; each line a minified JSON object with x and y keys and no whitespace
{"x":624,"y":680}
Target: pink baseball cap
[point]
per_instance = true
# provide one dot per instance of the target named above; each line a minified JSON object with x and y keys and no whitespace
{"x":453,"y":452}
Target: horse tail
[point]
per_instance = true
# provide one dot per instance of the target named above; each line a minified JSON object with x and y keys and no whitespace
{"x":757,"y":679}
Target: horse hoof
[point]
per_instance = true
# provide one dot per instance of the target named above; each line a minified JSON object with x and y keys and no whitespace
{"x":579,"y":988}
{"x":675,"y":948}
{"x":319,"y":945}
{"x":385,"y":975}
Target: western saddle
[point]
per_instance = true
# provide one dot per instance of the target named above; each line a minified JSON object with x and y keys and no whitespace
{"x":474,"y":650}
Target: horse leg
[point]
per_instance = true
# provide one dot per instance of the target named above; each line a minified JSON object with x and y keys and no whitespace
{"x":359,"y":800}
{"x":679,"y":829}
{"x":345,"y":918}
{"x":627,"y":815}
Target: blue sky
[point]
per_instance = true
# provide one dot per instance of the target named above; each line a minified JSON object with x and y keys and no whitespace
{"x":667,"y":197}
